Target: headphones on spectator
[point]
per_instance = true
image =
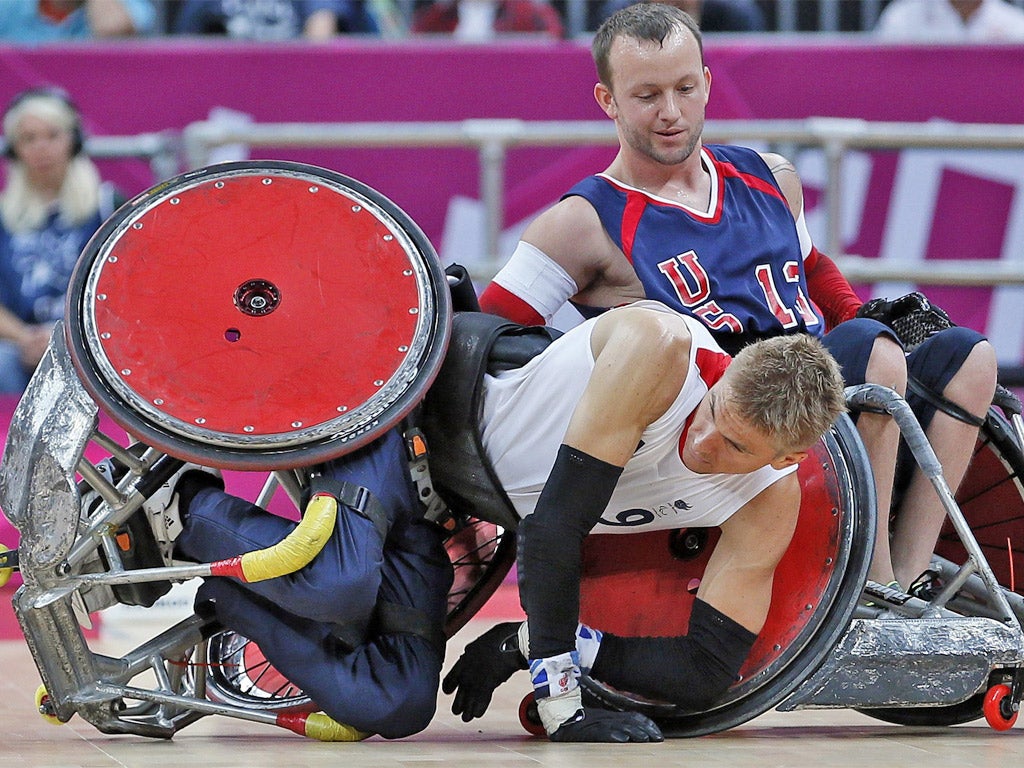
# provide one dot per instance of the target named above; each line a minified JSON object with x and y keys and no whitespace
{"x":50,"y":92}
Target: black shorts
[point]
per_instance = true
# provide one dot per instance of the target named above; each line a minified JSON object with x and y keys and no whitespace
{"x":932,"y":364}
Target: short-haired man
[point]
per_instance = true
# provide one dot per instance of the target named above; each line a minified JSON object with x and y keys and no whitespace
{"x":718,"y":232}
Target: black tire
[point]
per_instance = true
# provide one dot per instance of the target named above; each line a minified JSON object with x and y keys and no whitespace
{"x":954,"y":714}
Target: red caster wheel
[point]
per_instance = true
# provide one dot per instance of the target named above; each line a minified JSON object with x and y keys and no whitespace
{"x":529,"y":717}
{"x":998,"y":708}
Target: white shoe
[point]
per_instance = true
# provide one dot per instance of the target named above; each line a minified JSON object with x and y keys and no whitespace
{"x":161,"y":510}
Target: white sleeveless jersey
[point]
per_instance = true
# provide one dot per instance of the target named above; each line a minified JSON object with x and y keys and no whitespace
{"x":526,"y":413}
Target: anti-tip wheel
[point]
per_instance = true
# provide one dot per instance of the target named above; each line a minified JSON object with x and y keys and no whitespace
{"x":5,"y":573}
{"x":529,"y":717}
{"x":999,"y":709}
{"x":45,"y":706}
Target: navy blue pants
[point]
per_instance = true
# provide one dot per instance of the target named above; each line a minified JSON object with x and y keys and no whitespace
{"x":388,"y":683}
{"x":932,"y":364}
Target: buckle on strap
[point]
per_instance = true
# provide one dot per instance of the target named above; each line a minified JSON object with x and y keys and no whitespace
{"x":357,"y":498}
{"x":436,"y":509}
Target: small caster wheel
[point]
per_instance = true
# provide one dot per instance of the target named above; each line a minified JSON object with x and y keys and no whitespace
{"x":5,"y":573}
{"x":45,"y":706}
{"x":529,"y":717}
{"x":998,"y":707}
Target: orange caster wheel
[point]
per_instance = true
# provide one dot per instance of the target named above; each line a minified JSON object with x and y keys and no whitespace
{"x":529,"y":717}
{"x":999,"y":708}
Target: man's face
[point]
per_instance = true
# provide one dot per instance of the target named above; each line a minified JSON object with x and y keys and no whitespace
{"x":658,"y":95}
{"x":718,"y":441}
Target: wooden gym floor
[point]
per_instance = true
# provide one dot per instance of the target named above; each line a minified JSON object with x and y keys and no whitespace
{"x":840,"y":738}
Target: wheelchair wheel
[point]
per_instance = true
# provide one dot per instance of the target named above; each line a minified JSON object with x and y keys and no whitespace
{"x":991,"y":498}
{"x":239,"y":674}
{"x":630,"y":581}
{"x":258,"y":315}
{"x":482,"y":554}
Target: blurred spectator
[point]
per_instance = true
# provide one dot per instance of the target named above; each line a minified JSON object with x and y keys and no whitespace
{"x":266,"y":20}
{"x":711,"y":15}
{"x":42,"y":21}
{"x":52,"y":204}
{"x":482,"y":19}
{"x":951,"y":21}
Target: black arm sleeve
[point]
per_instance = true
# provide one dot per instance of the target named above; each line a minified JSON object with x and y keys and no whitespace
{"x":549,"y":543}
{"x":690,"y":671}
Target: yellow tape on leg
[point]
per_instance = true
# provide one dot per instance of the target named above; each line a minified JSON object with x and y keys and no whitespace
{"x":317,"y":725}
{"x":292,"y":553}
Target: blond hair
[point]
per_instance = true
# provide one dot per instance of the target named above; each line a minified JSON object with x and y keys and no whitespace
{"x":22,"y":208}
{"x":788,"y":387}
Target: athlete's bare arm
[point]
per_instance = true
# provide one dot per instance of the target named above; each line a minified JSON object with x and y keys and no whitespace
{"x":570,"y":233}
{"x":641,"y":358}
{"x":738,"y":578}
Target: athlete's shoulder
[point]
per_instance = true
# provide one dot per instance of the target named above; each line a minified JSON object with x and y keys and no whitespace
{"x":571,"y":217}
{"x":686,"y":323}
{"x":735,"y":154}
{"x":594,"y":188}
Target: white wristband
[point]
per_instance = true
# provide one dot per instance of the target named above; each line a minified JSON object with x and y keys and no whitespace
{"x":588,"y":642}
{"x":537,"y":279}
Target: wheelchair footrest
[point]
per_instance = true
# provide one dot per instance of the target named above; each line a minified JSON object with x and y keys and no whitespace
{"x":909,"y":662}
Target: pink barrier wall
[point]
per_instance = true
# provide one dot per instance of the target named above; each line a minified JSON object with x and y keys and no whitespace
{"x":911,"y":205}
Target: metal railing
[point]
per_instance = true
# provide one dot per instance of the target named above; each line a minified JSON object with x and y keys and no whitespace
{"x":161,"y":150}
{"x":493,"y":138}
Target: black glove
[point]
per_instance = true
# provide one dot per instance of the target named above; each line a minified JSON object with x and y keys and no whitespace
{"x":486,"y":663}
{"x":912,"y":317}
{"x":604,"y":725}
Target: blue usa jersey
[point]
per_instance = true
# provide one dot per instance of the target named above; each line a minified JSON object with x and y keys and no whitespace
{"x":738,"y":267}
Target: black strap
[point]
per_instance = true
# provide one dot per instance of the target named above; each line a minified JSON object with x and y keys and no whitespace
{"x":357,"y":498}
{"x":944,"y":405}
{"x":397,"y":619}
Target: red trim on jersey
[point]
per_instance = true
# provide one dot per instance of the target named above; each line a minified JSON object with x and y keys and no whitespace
{"x":498,"y":300}
{"x":754,"y":182}
{"x":636,"y":202}
{"x":711,"y":365}
{"x":682,"y":436}
{"x":634,"y":198}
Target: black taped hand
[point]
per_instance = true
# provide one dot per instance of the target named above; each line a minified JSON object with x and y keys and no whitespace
{"x":603,"y":725}
{"x":486,"y":663}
